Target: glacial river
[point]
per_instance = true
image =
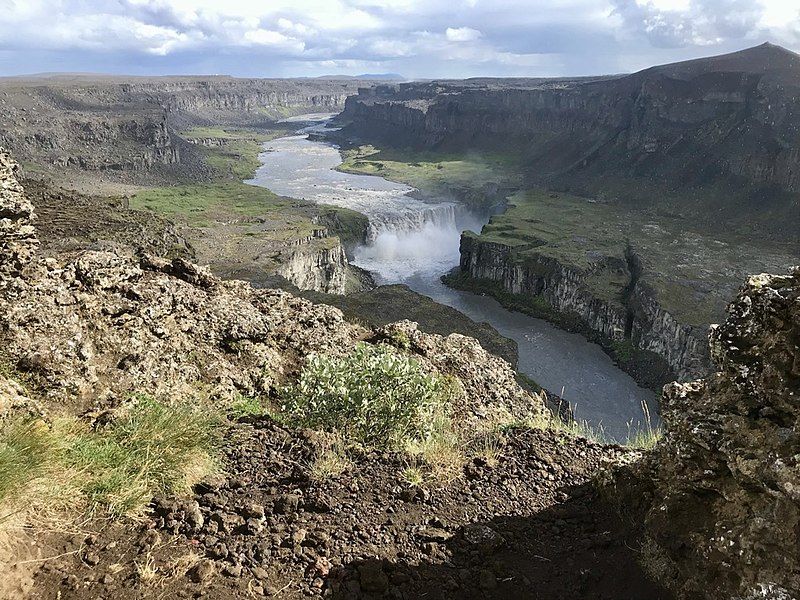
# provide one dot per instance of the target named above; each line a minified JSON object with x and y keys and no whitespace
{"x":415,"y":242}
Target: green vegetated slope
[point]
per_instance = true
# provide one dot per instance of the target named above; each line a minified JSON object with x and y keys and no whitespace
{"x":472,"y":176}
{"x":694,"y":273}
{"x":233,"y":225}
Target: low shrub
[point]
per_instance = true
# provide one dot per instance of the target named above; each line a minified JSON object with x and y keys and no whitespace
{"x":375,"y":396}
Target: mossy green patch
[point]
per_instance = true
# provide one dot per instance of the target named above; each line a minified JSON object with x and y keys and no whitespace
{"x":434,"y":172}
{"x":693,"y":273}
{"x":199,"y":205}
{"x":232,"y":153}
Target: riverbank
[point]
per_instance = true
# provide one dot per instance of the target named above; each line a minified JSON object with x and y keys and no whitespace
{"x":247,"y":232}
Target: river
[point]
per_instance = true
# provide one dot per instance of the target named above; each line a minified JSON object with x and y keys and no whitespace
{"x":414,"y":242}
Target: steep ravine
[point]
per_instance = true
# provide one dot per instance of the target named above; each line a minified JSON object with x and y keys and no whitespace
{"x":635,"y":317}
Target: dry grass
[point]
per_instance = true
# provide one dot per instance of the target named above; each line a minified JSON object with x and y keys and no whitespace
{"x":146,"y":571}
{"x":643,"y":434}
{"x":330,"y":463}
{"x":414,"y":476}
{"x":53,"y":473}
{"x":489,"y":448}
{"x":441,"y":452}
{"x":26,"y":449}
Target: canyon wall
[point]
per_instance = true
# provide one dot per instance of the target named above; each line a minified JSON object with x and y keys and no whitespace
{"x":636,"y":317}
{"x":127,"y":128}
{"x":711,"y":137}
{"x":318,"y":268}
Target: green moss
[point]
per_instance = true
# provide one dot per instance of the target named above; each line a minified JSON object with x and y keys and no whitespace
{"x":198,"y":204}
{"x":435,"y":173}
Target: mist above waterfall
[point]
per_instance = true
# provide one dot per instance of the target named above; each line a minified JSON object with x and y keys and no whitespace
{"x":407,"y":236}
{"x":412,"y":243}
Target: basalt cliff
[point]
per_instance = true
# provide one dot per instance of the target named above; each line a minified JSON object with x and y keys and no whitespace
{"x":635,"y":316}
{"x":128,"y":129}
{"x":713,"y":138}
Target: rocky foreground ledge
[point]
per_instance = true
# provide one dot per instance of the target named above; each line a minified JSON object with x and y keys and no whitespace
{"x":535,"y":512}
{"x":726,"y":517}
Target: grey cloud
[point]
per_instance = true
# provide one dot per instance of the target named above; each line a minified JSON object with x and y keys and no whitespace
{"x":706,"y":21}
{"x":517,"y":37}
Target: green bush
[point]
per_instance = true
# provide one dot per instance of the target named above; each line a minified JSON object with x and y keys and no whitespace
{"x":375,"y":396}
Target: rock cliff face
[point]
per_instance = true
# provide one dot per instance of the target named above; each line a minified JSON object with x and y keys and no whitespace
{"x":702,"y":136}
{"x":126,"y":128}
{"x":636,"y":317}
{"x":322,"y":269}
{"x":18,"y":241}
{"x":726,"y":519}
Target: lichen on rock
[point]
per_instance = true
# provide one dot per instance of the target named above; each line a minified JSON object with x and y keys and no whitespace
{"x":727,"y":513}
{"x":18,"y":242}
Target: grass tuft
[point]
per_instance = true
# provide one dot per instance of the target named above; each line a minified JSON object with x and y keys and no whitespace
{"x":330,"y":463}
{"x":155,"y":449}
{"x":414,"y":476}
{"x":26,"y":449}
{"x":644,"y":435}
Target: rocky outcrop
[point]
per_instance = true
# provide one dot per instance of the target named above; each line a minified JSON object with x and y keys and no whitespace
{"x":485,"y":376}
{"x":321,"y":269}
{"x":726,"y":518}
{"x":636,"y":316}
{"x":18,"y":241}
{"x":695,"y":136}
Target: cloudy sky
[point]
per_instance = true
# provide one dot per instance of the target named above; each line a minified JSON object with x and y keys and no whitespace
{"x":416,"y":38}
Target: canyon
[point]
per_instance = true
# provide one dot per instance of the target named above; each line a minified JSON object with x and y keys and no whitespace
{"x":696,"y":137}
{"x":641,"y":211}
{"x":629,"y":161}
{"x":128,"y":130}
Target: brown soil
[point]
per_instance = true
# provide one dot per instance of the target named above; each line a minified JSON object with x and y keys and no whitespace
{"x":532,"y":526}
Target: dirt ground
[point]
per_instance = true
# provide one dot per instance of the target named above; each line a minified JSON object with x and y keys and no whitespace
{"x":529,"y":525}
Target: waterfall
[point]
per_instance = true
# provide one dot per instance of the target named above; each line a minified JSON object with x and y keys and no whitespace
{"x":415,"y":217}
{"x":406,"y":236}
